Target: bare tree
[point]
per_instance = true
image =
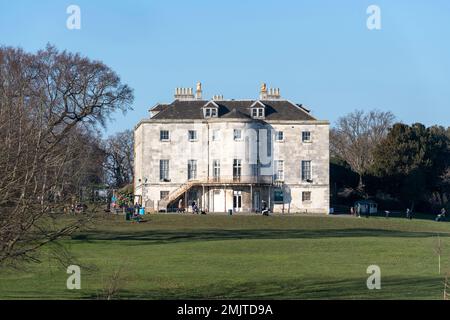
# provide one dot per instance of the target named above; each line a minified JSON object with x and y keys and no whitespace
{"x":355,"y":136}
{"x":49,"y":102}
{"x":119,"y":159}
{"x":112,"y":285}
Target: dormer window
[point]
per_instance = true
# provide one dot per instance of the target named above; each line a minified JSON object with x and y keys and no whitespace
{"x":258,"y":113}
{"x":210,"y":112}
{"x":257,"y":110}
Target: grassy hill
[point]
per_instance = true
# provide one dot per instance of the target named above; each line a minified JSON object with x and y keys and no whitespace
{"x":281,"y":257}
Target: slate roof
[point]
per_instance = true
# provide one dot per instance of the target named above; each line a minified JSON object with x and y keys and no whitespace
{"x":232,"y":109}
{"x":159,"y":107}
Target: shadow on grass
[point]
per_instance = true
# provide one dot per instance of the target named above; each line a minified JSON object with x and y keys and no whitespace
{"x":163,"y":237}
{"x":391,"y":288}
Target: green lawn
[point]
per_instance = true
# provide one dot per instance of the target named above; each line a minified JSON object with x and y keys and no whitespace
{"x":215,"y":257}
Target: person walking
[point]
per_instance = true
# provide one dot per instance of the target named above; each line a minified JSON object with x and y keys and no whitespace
{"x":441,"y":216}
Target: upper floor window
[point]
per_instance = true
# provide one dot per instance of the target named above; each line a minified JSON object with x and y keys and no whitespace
{"x":164,"y":135}
{"x":279,"y":136}
{"x":257,"y":112}
{"x":237,"y":134}
{"x":306,"y":136}
{"x":164,"y":170}
{"x":306,"y":170}
{"x":215,"y":135}
{"x":216,"y":169}
{"x":192,"y":169}
{"x":279,"y":170}
{"x":237,"y":167}
{"x":210,"y":112}
{"x":192,"y":135}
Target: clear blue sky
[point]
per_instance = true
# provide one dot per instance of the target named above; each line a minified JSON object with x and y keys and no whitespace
{"x":319,"y":53}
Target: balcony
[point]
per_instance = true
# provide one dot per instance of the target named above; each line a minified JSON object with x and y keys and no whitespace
{"x":266,"y":179}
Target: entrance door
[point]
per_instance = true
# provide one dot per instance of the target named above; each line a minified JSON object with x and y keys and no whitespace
{"x":237,"y":201}
{"x":218,"y":201}
{"x":256,"y":201}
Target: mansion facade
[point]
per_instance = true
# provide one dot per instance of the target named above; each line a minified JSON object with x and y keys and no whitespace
{"x":235,"y":155}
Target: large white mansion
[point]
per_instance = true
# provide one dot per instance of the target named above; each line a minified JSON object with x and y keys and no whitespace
{"x":232,"y":154}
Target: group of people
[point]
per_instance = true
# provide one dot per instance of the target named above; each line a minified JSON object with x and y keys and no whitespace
{"x":357,"y":211}
{"x":409,"y":213}
{"x":440,"y":217}
{"x":195,"y":208}
{"x":135,"y":212}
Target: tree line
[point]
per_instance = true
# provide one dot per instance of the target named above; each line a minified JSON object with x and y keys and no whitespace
{"x":399,"y":165}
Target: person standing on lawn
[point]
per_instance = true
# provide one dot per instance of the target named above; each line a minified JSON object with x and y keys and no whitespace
{"x":180,"y":205}
{"x":136,"y":208}
{"x":408,"y":213}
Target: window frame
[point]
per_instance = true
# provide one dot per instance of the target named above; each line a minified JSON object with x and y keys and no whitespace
{"x":235,"y":138}
{"x":279,"y":169}
{"x":215,"y":135}
{"x":306,"y":199}
{"x":210,"y":112}
{"x":195,"y":138}
{"x":303,"y":171}
{"x":161,"y":194}
{"x":277,"y":192}
{"x":257,"y":112}
{"x":309,"y":140}
{"x":237,"y":169}
{"x":216,"y":169}
{"x":164,"y":170}
{"x":192,"y":169}
{"x":161,"y":135}
{"x":277,"y":135}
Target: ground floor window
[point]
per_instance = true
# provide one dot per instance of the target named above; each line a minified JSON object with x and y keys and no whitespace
{"x":163,"y":194}
{"x":192,"y":197}
{"x":278,"y":196}
{"x":306,"y":196}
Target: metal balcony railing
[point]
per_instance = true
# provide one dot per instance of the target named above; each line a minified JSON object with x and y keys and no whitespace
{"x":266,"y":179}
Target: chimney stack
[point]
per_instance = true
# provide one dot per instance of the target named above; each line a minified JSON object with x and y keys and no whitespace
{"x":198,"y":92}
{"x":263,"y":92}
{"x":184,"y":94}
{"x":269,"y":94}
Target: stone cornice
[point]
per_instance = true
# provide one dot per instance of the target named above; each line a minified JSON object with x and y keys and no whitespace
{"x":220,"y":120}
